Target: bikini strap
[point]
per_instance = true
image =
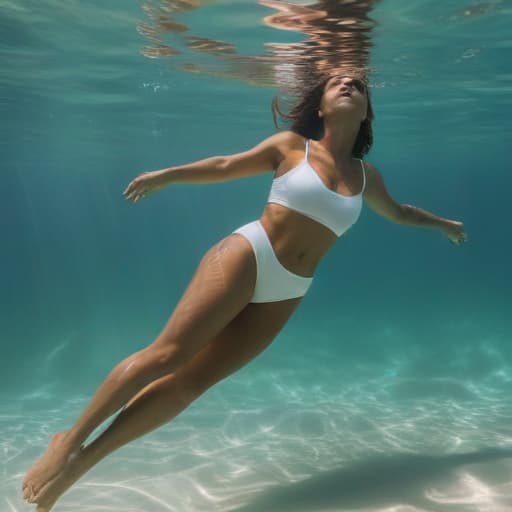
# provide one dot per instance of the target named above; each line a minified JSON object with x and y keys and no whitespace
{"x":307,"y":150}
{"x":364,"y":175}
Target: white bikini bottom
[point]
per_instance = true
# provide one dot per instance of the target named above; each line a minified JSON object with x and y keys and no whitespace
{"x":273,"y":281}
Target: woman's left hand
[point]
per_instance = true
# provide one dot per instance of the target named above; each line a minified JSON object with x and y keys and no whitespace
{"x":454,"y":231}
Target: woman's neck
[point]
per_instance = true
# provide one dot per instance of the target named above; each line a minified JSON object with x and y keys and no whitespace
{"x":339,"y":139}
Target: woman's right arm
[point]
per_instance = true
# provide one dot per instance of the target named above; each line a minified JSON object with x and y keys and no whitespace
{"x":264,"y":157}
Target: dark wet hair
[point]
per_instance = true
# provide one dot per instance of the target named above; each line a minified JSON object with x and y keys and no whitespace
{"x":305,"y":120}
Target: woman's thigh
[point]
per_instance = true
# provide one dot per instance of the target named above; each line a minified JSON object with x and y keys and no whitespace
{"x":220,"y":288}
{"x":240,"y":341}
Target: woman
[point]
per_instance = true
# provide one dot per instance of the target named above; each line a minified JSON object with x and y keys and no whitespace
{"x":248,"y":284}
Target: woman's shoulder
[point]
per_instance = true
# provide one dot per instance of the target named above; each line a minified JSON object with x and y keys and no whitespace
{"x":288,"y":140}
{"x":289,"y":137}
{"x":374,"y":178}
{"x":284,"y":141}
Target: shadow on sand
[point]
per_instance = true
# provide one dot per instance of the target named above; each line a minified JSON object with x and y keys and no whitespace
{"x":374,"y":482}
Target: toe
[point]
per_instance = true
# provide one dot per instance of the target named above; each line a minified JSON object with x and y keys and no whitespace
{"x":25,"y":488}
{"x":41,"y":495}
{"x":29,"y":492}
{"x":34,"y":489}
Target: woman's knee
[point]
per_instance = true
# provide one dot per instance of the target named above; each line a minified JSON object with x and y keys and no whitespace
{"x":155,"y":361}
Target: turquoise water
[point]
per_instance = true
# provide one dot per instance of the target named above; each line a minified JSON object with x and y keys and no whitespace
{"x":389,"y":388}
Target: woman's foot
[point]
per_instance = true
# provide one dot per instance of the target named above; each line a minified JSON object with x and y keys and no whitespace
{"x":48,"y":495}
{"x":46,"y":468}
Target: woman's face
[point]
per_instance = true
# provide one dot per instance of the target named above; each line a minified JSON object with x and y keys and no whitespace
{"x":345,"y":93}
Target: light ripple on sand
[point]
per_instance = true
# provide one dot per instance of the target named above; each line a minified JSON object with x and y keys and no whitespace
{"x":342,"y":447}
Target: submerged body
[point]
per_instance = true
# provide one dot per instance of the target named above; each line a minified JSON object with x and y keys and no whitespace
{"x":301,"y":221}
{"x":246,"y":286}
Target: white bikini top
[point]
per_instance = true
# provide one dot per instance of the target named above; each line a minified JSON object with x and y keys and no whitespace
{"x":301,"y":189}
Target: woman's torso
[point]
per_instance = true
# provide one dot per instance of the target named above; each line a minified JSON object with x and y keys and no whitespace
{"x":299,"y":241}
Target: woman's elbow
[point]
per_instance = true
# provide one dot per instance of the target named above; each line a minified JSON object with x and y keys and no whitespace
{"x":224,"y":167}
{"x":401,"y":214}
{"x":408,"y":215}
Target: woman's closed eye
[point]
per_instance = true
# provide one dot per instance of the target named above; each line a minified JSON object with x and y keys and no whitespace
{"x":359,"y":85}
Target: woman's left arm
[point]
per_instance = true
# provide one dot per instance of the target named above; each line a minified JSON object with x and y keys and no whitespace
{"x":378,"y":199}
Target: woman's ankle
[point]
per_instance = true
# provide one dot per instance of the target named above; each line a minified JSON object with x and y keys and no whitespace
{"x":69,"y":442}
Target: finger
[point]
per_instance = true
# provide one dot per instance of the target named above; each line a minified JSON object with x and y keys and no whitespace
{"x":129,"y":191}
{"x":134,"y":193}
{"x":134,"y":184}
{"x":131,"y":185}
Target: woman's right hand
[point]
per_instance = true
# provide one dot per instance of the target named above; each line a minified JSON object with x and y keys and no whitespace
{"x":144,"y":184}
{"x":454,"y":231}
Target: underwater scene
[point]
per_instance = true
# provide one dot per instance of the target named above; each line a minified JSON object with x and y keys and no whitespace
{"x":389,"y":389}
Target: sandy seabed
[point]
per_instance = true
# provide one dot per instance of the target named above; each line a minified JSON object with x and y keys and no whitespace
{"x":286,"y":441}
